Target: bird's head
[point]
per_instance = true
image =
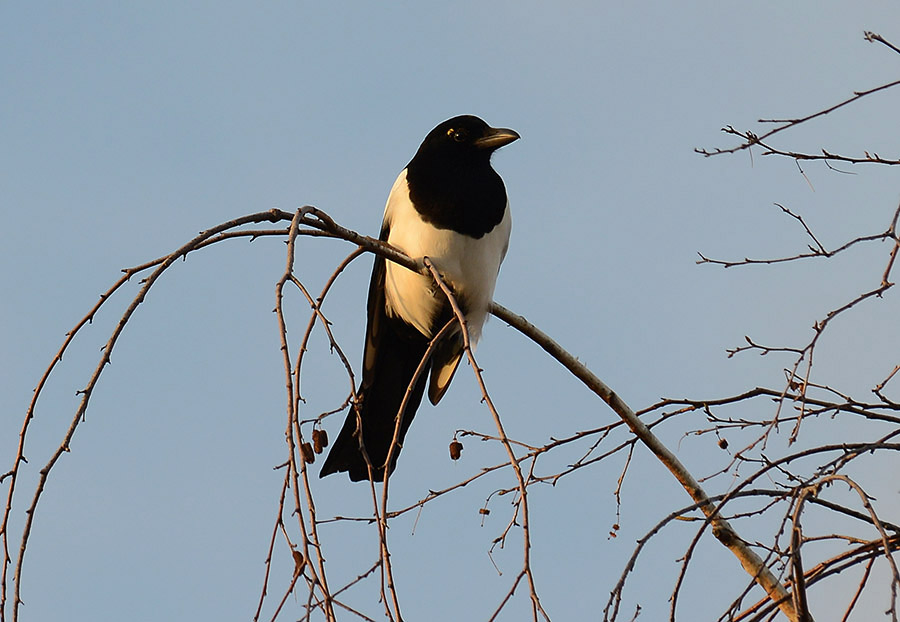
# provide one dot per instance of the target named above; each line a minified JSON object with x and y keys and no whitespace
{"x":465,"y":137}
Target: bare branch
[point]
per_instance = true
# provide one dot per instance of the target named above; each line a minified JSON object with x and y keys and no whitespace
{"x":750,"y":139}
{"x":722,"y":530}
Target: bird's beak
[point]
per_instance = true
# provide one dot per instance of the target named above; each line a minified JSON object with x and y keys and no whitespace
{"x":496,"y":137}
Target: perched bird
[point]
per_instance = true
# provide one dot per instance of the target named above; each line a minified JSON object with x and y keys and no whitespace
{"x":449,"y":205}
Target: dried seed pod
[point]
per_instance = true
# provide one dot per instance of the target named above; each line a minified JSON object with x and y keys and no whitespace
{"x":723,"y":443}
{"x":484,"y":511}
{"x":320,"y":440}
{"x":455,"y":450}
{"x":308,"y":456}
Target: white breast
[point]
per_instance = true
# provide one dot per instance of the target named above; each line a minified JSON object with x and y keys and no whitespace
{"x":469,"y":265}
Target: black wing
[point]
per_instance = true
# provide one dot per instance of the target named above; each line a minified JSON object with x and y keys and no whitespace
{"x":393,"y":351}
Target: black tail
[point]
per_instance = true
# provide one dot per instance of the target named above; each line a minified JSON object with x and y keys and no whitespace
{"x":397,"y":355}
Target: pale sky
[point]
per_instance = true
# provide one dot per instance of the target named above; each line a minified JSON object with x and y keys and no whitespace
{"x":126,"y":128}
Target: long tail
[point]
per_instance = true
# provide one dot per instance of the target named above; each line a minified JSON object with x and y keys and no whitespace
{"x":378,"y":401}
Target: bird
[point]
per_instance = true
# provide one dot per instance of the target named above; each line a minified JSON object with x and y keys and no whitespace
{"x":448,"y":204}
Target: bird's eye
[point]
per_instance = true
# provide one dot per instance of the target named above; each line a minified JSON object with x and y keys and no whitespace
{"x":459,"y":135}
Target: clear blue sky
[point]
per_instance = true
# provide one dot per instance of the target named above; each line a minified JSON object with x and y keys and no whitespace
{"x":125,"y":128}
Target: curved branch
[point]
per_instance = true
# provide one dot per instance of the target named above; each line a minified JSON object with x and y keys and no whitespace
{"x":722,"y":530}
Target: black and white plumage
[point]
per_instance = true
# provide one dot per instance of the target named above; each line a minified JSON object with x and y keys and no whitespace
{"x":449,"y":205}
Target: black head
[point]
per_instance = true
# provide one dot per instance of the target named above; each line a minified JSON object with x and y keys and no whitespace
{"x":465,"y":138}
{"x":451,"y":181}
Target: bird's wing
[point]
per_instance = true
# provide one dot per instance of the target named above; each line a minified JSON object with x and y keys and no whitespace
{"x":393,"y":350}
{"x":376,"y":313}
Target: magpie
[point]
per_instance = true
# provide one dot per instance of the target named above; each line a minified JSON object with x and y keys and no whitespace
{"x":449,"y":205}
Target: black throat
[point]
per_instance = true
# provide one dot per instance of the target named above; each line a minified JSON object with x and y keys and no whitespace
{"x":465,"y":194}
